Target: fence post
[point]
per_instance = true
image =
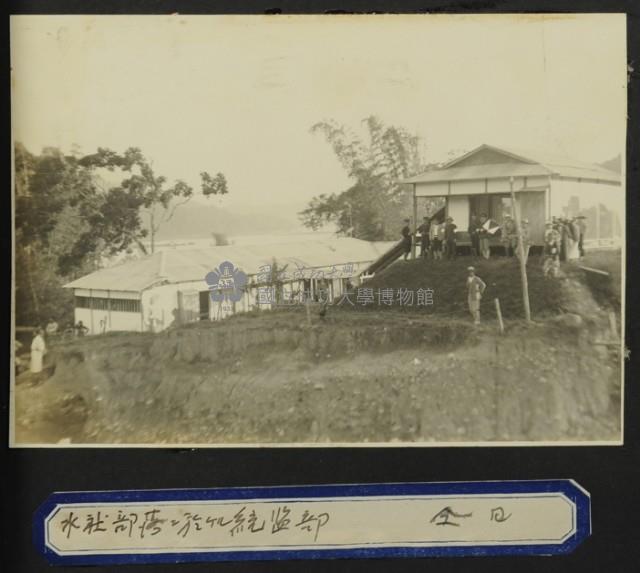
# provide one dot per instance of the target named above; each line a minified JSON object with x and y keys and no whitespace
{"x":613,"y":325}
{"x":499,"y":313}
{"x":523,"y":263}
{"x":308,"y":308}
{"x":415,"y":223}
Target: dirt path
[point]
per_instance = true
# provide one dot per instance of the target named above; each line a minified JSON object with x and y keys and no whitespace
{"x":45,"y":416}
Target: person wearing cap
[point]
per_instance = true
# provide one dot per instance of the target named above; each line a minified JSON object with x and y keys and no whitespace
{"x":450,"y":238}
{"x":475,"y":289}
{"x":406,"y":238}
{"x":551,"y":252}
{"x":509,"y":235}
{"x":424,"y":230}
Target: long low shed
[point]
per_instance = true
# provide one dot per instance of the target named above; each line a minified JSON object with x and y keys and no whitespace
{"x":169,"y":287}
{"x":545,"y":186}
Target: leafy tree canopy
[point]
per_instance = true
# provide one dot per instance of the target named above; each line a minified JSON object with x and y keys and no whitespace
{"x":372,"y":207}
{"x":142,"y":188}
{"x":67,"y":220}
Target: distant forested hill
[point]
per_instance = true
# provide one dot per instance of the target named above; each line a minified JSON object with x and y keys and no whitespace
{"x":613,"y":164}
{"x":197,"y":220}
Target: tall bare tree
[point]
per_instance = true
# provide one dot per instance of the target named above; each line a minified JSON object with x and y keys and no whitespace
{"x":377,"y":163}
{"x":148,"y":191}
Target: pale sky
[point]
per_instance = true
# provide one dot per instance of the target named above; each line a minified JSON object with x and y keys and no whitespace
{"x":238,"y":94}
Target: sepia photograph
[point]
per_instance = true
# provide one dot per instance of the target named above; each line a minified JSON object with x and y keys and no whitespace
{"x":336,"y":230}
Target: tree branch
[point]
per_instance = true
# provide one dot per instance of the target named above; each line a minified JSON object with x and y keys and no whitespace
{"x":173,"y":209}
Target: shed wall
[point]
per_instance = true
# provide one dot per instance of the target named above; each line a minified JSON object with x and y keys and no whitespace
{"x":432,"y":189}
{"x":99,"y":321}
{"x":467,"y":187}
{"x":479,"y":186}
{"x":503,"y":186}
{"x":458,"y":208}
{"x":99,"y":293}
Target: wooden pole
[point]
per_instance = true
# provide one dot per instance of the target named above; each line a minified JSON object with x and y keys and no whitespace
{"x":613,"y":324}
{"x":597,"y":271}
{"x":523,"y":263}
{"x":499,"y":313}
{"x":109,"y":307}
{"x":152,"y":232}
{"x":91,"y":311}
{"x":308,"y":308}
{"x":415,"y":223}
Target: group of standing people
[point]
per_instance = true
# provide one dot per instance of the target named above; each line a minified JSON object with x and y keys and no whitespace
{"x":480,"y":231}
{"x":438,"y":238}
{"x":563,"y":241}
{"x":482,"y":228}
{"x":39,"y":346}
{"x":563,"y":238}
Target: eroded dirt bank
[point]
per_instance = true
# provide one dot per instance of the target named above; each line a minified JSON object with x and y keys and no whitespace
{"x":348,"y":379}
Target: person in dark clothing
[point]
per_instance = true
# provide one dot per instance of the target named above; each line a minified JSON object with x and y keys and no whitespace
{"x":551,"y":253}
{"x":564,"y":229}
{"x":474,"y":223}
{"x":406,"y":238}
{"x":424,"y":230}
{"x":80,"y":329}
{"x":450,"y":238}
{"x":558,"y":226}
{"x":581,"y":222}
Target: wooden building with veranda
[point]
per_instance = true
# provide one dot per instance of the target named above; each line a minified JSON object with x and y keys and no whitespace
{"x":545,"y":186}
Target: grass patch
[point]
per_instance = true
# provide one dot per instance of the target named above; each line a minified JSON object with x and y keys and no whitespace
{"x":447,"y":279}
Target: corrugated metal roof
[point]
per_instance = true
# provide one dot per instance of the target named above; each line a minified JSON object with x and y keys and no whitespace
{"x":184,"y":265}
{"x":134,"y":275}
{"x":533,"y":163}
{"x":567,"y":166}
{"x":487,"y":171}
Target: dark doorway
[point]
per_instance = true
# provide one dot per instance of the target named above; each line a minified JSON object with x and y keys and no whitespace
{"x":495,"y":206}
{"x":205,"y":297}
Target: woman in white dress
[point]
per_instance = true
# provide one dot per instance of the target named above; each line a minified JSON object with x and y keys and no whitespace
{"x":38,"y":349}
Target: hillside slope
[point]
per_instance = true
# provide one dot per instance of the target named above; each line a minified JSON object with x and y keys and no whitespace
{"x":418,"y":374}
{"x":349,"y":378}
{"x":547,"y":296}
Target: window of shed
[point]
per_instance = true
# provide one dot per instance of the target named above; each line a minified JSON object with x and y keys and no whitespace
{"x":113,"y":304}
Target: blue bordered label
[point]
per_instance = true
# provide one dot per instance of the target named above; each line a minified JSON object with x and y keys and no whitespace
{"x":313,"y":522}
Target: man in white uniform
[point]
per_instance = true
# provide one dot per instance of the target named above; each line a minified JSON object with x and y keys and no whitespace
{"x":38,"y":349}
